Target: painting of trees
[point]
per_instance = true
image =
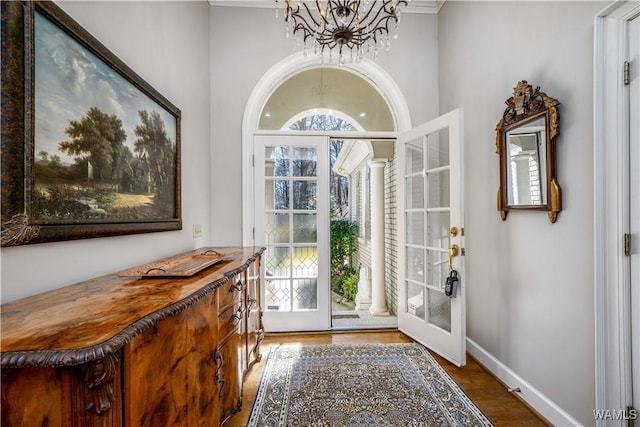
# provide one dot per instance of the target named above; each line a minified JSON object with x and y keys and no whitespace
{"x":98,"y":139}
{"x":93,"y":149}
{"x":158,"y":155}
{"x":108,"y":179}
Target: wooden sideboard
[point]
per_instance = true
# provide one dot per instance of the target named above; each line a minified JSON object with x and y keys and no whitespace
{"x":127,"y":351}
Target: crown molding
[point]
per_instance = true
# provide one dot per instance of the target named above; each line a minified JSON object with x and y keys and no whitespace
{"x":431,"y":7}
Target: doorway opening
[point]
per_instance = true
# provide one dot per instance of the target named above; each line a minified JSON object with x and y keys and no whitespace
{"x":362,"y":94}
{"x":351,"y":217}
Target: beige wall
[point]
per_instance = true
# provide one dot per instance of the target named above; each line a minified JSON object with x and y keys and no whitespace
{"x":166,"y":43}
{"x":530,"y":283}
{"x":240,"y":59}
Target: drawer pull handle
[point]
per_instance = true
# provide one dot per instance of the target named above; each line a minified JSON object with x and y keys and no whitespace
{"x":237,"y":287}
{"x":237,"y":316}
{"x":162,"y":270}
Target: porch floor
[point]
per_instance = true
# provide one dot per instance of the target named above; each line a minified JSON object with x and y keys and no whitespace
{"x":343,"y":316}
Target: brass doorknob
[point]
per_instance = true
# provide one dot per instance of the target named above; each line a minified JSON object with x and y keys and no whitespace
{"x":453,"y":252}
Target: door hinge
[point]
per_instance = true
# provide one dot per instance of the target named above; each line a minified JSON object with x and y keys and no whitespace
{"x":631,"y":416}
{"x":463,"y":252}
{"x":627,"y":244}
{"x":625,"y":72}
{"x":253,"y":233}
{"x":253,"y":160}
{"x":462,"y":231}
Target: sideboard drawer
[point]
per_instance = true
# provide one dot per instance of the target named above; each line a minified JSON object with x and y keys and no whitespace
{"x":229,"y":320}
{"x":231,"y":292}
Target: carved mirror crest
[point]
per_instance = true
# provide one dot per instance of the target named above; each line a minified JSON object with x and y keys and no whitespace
{"x":525,"y":142}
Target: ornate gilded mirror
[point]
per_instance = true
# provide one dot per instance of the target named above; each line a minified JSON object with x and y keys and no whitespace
{"x":525,"y":142}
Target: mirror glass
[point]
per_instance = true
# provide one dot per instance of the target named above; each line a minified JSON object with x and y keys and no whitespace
{"x":527,"y":169}
{"x":525,"y":142}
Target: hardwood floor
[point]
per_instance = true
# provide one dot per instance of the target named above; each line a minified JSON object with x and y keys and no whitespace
{"x":493,"y":399}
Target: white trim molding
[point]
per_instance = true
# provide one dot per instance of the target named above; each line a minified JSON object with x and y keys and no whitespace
{"x":611,"y":212}
{"x":289,"y":66}
{"x":532,"y":396}
{"x":430,"y":7}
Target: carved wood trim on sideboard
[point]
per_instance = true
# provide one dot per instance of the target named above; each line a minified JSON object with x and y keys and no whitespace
{"x":21,"y":358}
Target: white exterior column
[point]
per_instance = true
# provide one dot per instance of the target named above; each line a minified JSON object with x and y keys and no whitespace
{"x":378,"y":296}
{"x":363,"y":297}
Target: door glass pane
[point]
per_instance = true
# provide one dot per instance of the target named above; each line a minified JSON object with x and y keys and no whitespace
{"x":415,"y":192}
{"x":415,"y":228}
{"x":278,"y":295}
{"x":305,"y":294}
{"x":276,"y":161}
{"x":304,"y":161}
{"x":439,"y":309}
{"x":438,"y":189}
{"x":415,"y":264}
{"x":438,"y":229}
{"x":415,"y":300}
{"x":438,"y":149}
{"x":305,"y":228}
{"x":305,"y":262}
{"x":276,"y":228}
{"x":293,"y":226}
{"x":277,"y":262}
{"x":304,"y":194}
{"x":276,"y":194}
{"x":414,"y":156}
{"x":438,"y":267}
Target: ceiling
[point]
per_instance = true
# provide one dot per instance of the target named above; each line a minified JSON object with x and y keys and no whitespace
{"x":328,"y":88}
{"x":414,"y":6}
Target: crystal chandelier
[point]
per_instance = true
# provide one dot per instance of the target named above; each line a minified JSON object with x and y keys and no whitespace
{"x":347,"y":29}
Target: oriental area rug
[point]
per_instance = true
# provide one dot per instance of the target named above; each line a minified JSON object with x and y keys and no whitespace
{"x":353,"y":385}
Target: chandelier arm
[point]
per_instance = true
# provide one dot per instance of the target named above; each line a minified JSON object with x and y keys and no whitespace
{"x":332,"y":5}
{"x":366,"y":15}
{"x":290,"y":12}
{"x":317,"y":24}
{"x":355,"y":13}
{"x":383,"y":24}
{"x":305,"y":31}
{"x":301,"y":23}
{"x":376,"y":19}
{"x":397,"y":6}
{"x":334,"y":28}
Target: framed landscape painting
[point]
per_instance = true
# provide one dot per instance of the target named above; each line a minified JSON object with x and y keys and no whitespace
{"x":89,"y":149}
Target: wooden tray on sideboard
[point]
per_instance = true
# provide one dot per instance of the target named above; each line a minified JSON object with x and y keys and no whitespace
{"x":185,"y":265}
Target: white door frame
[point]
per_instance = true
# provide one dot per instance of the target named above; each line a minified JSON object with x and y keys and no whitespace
{"x":611,"y":215}
{"x":281,"y":71}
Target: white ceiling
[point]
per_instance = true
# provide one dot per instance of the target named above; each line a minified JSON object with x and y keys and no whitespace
{"x":414,"y":6}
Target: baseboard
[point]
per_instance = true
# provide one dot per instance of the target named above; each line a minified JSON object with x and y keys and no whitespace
{"x":532,"y":397}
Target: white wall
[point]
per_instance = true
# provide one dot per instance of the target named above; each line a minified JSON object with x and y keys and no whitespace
{"x":240,"y":58}
{"x":166,"y":43}
{"x":530,"y":290}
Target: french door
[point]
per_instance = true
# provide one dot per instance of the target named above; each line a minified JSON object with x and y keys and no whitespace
{"x":430,"y":190}
{"x":291,"y":188}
